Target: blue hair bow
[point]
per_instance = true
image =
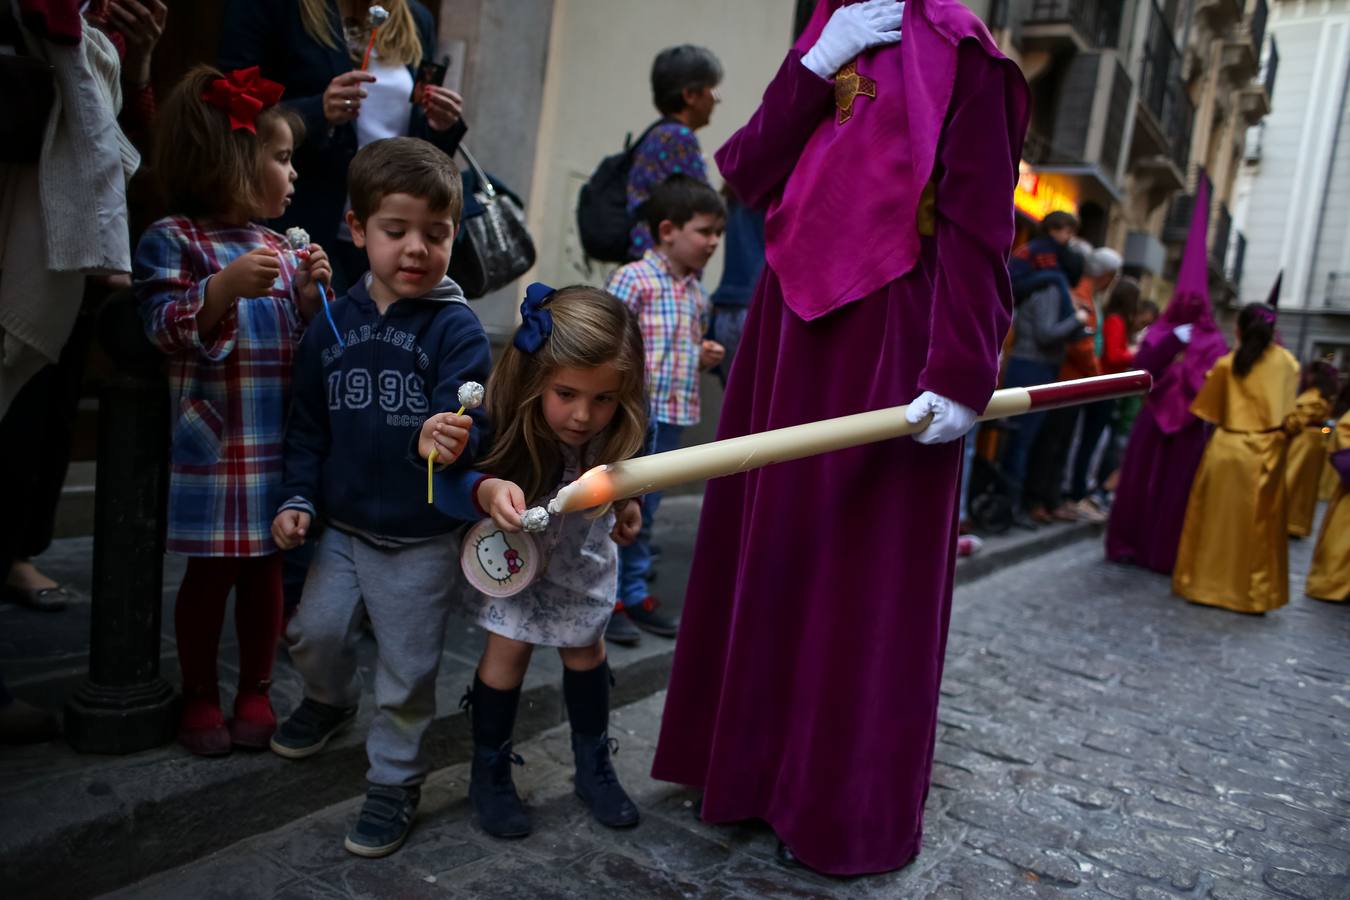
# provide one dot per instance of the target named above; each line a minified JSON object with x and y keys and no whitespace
{"x":536,"y":322}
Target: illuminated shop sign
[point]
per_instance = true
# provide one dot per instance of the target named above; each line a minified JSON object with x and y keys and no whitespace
{"x":1039,"y":195}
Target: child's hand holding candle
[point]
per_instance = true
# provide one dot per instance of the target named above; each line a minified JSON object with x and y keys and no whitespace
{"x":504,"y":502}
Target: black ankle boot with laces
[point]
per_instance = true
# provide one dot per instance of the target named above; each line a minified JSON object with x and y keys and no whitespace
{"x":597,"y":782}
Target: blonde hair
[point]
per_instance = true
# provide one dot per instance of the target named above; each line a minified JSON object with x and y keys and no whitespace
{"x":397,"y":43}
{"x":205,"y":167}
{"x":590,"y":328}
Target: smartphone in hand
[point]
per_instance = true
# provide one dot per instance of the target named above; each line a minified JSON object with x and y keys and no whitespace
{"x":429,"y":73}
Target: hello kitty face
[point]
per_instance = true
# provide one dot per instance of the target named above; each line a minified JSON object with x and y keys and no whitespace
{"x":498,"y":559}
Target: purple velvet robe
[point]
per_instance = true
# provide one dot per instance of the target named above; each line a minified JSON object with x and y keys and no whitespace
{"x":806,"y":675}
{"x":1168,"y":440}
{"x":1155,"y":477}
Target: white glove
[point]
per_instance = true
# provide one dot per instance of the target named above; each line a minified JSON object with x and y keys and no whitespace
{"x":1183,"y":332}
{"x":951,"y":420}
{"x":851,"y":30}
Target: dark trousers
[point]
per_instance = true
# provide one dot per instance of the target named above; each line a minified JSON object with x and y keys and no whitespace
{"x":1049,"y":458}
{"x":35,"y":440}
{"x":1023,"y":430}
{"x":1096,"y":417}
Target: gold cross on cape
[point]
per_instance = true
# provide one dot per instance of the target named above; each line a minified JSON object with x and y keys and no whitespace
{"x":848,"y":84}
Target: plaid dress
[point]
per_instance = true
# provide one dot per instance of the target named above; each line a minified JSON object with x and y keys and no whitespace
{"x":229,"y":392}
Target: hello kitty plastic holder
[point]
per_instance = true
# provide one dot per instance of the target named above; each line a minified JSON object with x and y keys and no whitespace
{"x":498,"y":563}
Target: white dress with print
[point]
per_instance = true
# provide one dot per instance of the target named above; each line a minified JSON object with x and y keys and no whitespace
{"x":569,"y":603}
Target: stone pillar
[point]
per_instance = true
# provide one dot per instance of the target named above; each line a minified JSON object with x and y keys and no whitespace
{"x":124,"y":705}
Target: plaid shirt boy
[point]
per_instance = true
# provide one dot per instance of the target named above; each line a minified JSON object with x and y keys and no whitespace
{"x":229,"y":391}
{"x":673,"y":315}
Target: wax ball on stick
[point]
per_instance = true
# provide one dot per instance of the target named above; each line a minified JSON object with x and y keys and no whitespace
{"x":534,"y":519}
{"x":470,"y":396}
{"x":298,"y":238}
{"x":378,"y":16}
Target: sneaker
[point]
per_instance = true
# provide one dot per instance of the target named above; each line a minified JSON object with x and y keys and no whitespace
{"x":310,"y":728}
{"x":645,"y":616}
{"x":385,"y":820}
{"x":1089,"y":512}
{"x":621,"y":629}
{"x":598,"y":784}
{"x":492,"y":791}
{"x":1066,"y":512}
{"x":968,"y":545}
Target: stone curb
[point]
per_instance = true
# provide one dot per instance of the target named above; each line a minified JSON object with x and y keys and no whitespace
{"x":170,"y":813}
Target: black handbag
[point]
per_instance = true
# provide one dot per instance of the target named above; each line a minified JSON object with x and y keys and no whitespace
{"x":27,"y":92}
{"x":493,"y":247}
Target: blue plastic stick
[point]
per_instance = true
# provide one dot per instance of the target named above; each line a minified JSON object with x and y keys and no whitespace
{"x":328,"y":311}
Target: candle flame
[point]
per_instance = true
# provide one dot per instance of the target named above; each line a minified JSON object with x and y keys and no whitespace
{"x":1326,"y":430}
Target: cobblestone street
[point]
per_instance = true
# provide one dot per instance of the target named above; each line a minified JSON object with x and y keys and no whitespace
{"x":1099,"y":737}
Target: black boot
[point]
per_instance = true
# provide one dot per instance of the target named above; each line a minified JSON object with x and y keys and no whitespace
{"x":587,"y":696}
{"x":491,"y":790}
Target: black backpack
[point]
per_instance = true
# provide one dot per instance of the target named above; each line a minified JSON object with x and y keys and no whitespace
{"x":603,"y":222}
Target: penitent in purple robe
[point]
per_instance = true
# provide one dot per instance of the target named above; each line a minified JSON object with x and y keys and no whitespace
{"x":805,"y":683}
{"x":1168,"y":441}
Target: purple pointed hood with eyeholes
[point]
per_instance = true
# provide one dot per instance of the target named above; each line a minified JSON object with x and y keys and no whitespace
{"x":1173,"y":391}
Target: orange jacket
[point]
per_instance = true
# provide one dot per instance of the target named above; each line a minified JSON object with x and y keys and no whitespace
{"x":1080,"y":356}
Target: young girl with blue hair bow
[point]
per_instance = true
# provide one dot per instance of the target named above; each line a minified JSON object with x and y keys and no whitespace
{"x":566,"y":395}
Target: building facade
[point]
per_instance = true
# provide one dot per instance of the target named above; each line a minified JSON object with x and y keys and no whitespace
{"x":1133,"y":100}
{"x":1293,"y":189}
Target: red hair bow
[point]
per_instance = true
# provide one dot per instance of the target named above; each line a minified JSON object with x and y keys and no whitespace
{"x":243,"y":94}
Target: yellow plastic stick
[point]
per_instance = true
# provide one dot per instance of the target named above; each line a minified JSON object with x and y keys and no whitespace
{"x":431,"y":463}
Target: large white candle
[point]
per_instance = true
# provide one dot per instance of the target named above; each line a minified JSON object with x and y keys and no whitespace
{"x":634,"y":477}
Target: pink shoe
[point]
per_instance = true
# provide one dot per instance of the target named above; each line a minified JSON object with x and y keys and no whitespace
{"x":201,"y":728}
{"x":254,"y":721}
{"x":968,"y":545}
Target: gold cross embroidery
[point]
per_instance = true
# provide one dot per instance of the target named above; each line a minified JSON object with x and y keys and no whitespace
{"x":848,"y":84}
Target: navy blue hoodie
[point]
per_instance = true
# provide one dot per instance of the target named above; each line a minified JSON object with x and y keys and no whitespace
{"x":356,"y":413}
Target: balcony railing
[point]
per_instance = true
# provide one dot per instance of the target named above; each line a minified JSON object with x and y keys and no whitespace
{"x":1161,"y":88}
{"x":1258,"y":24}
{"x":1239,"y":259}
{"x":1219,"y":229}
{"x":1338,"y":290}
{"x":1270,"y":66}
{"x":1097,"y":21}
{"x":1177,"y":225}
{"x":1180,"y":119}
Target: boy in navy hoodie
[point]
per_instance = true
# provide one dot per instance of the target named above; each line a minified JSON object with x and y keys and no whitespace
{"x":374,"y":393}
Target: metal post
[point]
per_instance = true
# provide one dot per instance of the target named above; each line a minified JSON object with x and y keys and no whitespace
{"x":124,"y":705}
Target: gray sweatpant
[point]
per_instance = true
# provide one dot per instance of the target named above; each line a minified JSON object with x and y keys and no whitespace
{"x":406,"y":592}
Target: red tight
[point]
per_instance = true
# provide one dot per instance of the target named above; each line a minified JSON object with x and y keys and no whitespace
{"x":200,"y":614}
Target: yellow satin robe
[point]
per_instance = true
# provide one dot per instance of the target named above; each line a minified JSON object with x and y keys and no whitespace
{"x":1331,"y":479}
{"x":1329,"y":577}
{"x":1307,"y":459}
{"x":1234,"y":552}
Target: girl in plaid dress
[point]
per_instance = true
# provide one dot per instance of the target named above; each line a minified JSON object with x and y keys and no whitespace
{"x":225,"y":299}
